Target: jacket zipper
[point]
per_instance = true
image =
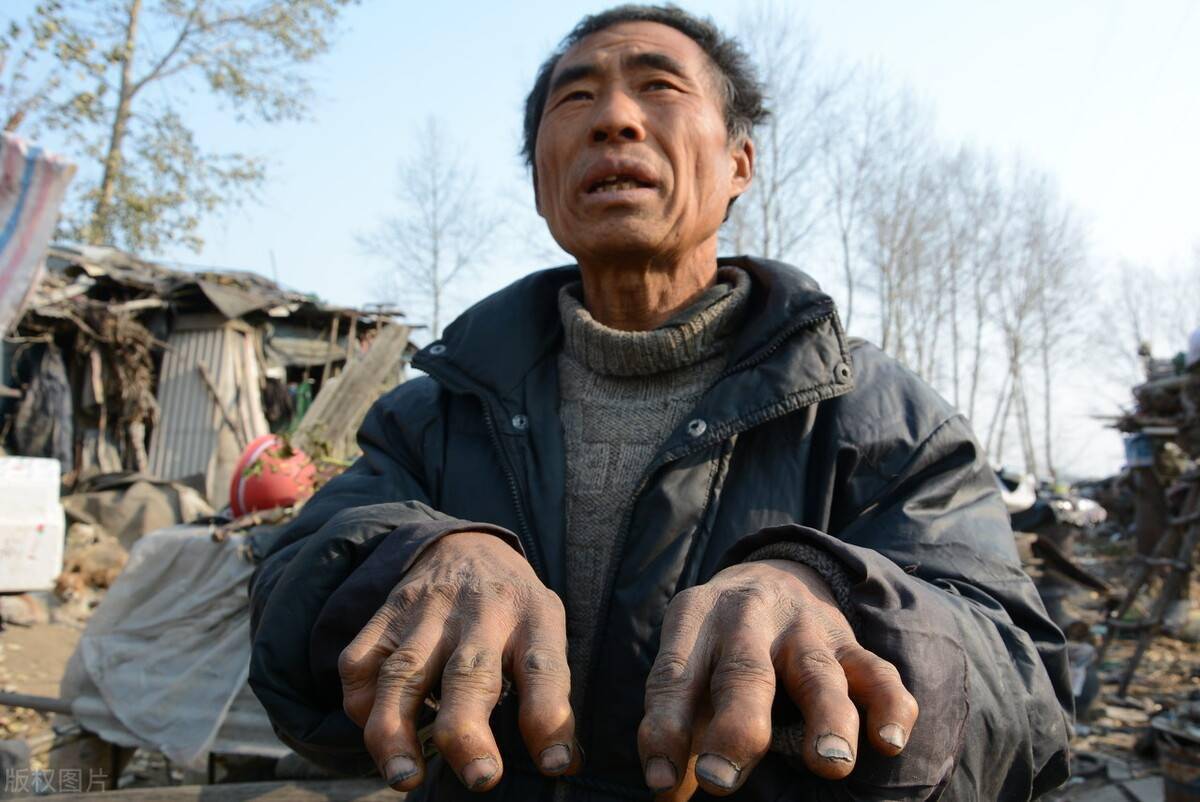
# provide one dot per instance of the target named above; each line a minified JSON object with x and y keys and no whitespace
{"x":525,"y":533}
{"x":532,"y":552}
{"x":627,"y":519}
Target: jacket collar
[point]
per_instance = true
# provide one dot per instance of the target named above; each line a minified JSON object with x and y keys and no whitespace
{"x":496,"y":343}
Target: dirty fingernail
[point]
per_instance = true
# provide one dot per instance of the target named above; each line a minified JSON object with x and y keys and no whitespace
{"x":893,"y":734}
{"x":717,"y":770}
{"x":478,"y":772}
{"x":835,"y":748}
{"x":660,"y":774}
{"x":555,"y":758}
{"x":398,"y":769}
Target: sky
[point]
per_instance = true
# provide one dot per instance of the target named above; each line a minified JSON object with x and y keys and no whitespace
{"x":1101,"y":93}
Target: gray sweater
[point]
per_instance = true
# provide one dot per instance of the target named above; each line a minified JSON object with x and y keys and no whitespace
{"x":623,"y":393}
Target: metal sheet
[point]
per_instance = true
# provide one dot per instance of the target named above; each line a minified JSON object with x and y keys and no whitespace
{"x":183,"y":441}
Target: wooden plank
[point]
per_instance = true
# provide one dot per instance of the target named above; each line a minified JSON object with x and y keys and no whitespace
{"x":331,"y":422}
{"x":321,"y":791}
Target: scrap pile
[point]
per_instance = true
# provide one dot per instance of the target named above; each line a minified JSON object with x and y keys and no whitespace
{"x":125,"y":365}
{"x":147,"y":384}
{"x":169,"y":407}
{"x":1143,"y":721}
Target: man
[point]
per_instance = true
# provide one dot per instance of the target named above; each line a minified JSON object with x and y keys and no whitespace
{"x":652,"y":525}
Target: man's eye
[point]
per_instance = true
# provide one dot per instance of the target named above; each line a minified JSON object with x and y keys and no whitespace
{"x":578,"y":94}
{"x":655,"y":86}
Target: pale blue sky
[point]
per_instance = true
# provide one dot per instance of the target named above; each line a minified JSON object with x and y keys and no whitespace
{"x":1105,"y":94}
{"x":1102,"y":93}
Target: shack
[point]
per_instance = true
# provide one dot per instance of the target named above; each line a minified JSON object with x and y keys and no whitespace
{"x":119,"y":364}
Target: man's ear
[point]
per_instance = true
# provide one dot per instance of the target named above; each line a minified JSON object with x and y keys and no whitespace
{"x":742,"y":164}
{"x":537,"y":196}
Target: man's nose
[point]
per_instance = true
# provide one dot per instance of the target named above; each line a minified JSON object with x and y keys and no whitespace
{"x":618,"y":117}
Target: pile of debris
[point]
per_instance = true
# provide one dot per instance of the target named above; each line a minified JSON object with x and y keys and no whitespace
{"x":123,"y":365}
{"x":147,"y":384}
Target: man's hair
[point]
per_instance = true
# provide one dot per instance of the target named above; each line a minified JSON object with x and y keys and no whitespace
{"x":735,"y":75}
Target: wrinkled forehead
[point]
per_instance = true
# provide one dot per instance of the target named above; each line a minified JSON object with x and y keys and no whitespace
{"x":609,"y":49}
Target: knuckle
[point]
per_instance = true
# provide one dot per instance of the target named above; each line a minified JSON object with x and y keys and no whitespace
{"x":402,"y":667}
{"x":540,"y":663}
{"x":405,"y":598}
{"x":814,"y":666}
{"x":554,"y":605}
{"x":669,"y":673}
{"x":349,"y":666}
{"x":745,"y":598}
{"x":742,"y":671}
{"x":443,"y":592}
{"x":472,"y":669}
{"x":687,"y":599}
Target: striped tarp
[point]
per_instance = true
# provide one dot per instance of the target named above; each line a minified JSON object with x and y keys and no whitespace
{"x":32,"y":183}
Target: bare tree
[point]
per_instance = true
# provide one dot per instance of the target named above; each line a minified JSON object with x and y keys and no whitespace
{"x":778,"y":216}
{"x":441,"y":229}
{"x":848,"y":154}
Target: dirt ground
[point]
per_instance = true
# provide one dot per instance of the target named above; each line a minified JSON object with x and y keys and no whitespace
{"x":32,"y":661}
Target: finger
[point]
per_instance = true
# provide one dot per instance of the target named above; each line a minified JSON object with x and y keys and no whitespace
{"x":875,"y":684}
{"x":674,"y":688}
{"x":359,"y":662}
{"x":543,"y":683}
{"x":405,"y":678}
{"x":471,"y":682}
{"x":743,"y":688}
{"x":816,"y":683}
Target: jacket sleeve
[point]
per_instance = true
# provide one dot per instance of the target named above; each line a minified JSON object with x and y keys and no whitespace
{"x":352,"y":541}
{"x":917,"y":524}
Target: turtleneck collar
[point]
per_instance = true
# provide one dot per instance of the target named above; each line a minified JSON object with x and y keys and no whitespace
{"x":696,"y":333}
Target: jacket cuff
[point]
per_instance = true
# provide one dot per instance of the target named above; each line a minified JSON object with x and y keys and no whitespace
{"x":819,"y":560}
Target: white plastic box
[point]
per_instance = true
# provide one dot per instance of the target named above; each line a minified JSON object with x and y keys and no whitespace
{"x":31,"y":524}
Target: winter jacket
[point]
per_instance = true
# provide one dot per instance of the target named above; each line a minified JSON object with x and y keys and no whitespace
{"x":806,"y":437}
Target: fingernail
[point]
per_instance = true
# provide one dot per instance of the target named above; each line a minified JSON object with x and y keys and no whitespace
{"x":398,"y":769}
{"x":478,"y":772}
{"x":555,"y":758}
{"x":892,"y":734}
{"x":834,"y":747}
{"x":717,"y":770}
{"x":660,"y":774}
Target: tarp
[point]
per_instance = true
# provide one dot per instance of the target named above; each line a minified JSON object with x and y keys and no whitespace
{"x":129,"y":505}
{"x":165,"y":656}
{"x":32,"y":183}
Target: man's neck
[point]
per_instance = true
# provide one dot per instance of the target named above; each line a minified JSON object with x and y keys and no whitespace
{"x":640,"y":295}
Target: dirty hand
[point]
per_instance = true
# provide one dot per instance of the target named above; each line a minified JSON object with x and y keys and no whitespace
{"x":724,"y":646}
{"x":469,"y":610}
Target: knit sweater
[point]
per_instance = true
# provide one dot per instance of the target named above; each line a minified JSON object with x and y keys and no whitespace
{"x":623,"y":393}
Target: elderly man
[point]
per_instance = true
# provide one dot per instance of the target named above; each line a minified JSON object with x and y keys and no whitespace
{"x":651,"y":525}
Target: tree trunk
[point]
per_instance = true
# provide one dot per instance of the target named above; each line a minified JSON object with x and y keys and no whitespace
{"x":100,"y":232}
{"x":1001,"y":406}
{"x":849,"y":275}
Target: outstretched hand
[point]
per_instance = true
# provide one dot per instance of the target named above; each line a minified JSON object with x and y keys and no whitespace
{"x":469,"y":611}
{"x":726,"y":645}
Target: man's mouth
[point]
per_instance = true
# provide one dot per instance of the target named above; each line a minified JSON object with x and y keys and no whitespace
{"x":617,"y":183}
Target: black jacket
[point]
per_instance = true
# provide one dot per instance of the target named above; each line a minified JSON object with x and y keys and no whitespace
{"x":868,"y":463}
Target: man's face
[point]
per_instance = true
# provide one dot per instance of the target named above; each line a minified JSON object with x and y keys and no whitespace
{"x":632,"y":153}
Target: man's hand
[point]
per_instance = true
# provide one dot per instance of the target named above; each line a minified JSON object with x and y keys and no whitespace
{"x":467,"y":612}
{"x":724,"y":646}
